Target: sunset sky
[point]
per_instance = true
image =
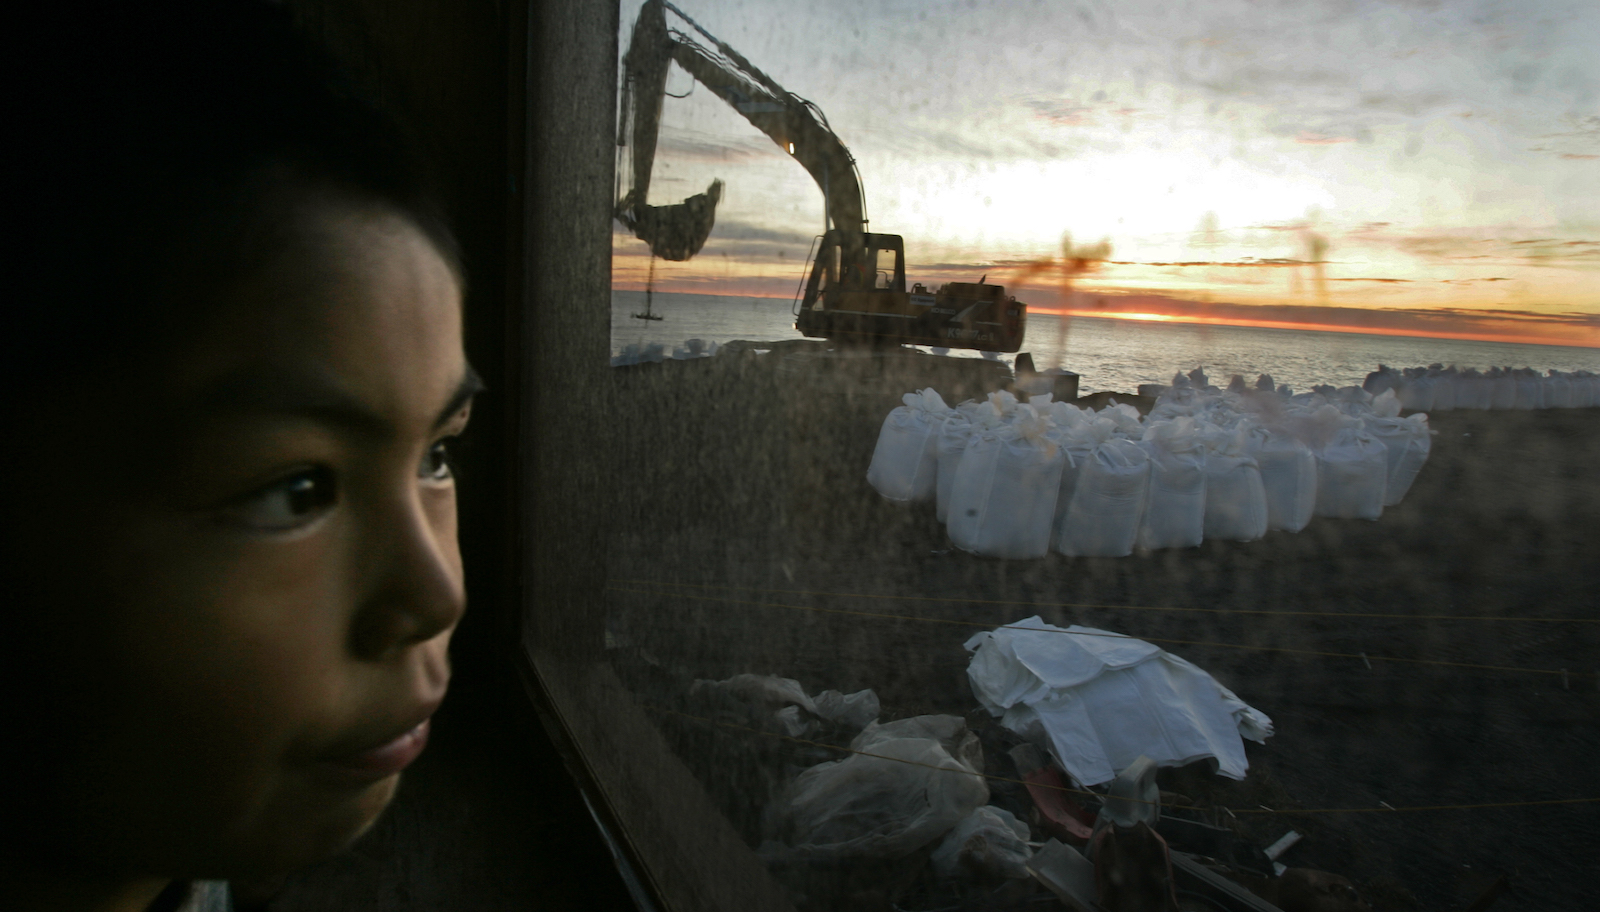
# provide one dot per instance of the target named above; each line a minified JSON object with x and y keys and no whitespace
{"x":1403,"y":166}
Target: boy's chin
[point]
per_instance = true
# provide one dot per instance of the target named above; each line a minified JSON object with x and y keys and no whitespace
{"x":300,"y":840}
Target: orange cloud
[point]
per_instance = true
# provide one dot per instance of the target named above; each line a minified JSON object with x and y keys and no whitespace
{"x":1575,"y":329}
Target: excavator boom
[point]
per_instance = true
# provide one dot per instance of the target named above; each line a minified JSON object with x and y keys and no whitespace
{"x":856,"y":289}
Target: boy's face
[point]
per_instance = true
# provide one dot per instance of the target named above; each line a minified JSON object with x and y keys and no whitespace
{"x":267,"y":571}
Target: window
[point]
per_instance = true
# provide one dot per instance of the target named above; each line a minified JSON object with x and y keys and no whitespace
{"x":720,"y":571}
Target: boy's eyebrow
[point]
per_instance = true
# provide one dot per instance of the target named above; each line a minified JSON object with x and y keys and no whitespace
{"x":471,"y":385}
{"x":326,"y":401}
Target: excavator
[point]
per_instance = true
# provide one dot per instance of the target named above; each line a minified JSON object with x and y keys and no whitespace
{"x":855,"y":290}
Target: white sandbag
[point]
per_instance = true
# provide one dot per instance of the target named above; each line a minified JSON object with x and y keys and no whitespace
{"x":1474,"y":390}
{"x":1125,"y":419}
{"x":905,"y":462}
{"x":1557,"y":391}
{"x":1288,"y":478}
{"x":1505,"y":391}
{"x":1108,"y":503}
{"x":1077,"y":432}
{"x":949,"y":447}
{"x":1530,"y":392}
{"x":1416,"y":394}
{"x":1236,"y":499}
{"x":1352,"y":474}
{"x":1585,"y":390}
{"x":1406,"y":443}
{"x":1175,"y":513}
{"x":1003,"y":500}
{"x":1444,"y":392}
{"x":1382,"y":379}
{"x":967,"y":419}
{"x":991,"y":843}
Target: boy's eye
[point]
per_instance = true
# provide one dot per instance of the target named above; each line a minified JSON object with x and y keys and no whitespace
{"x":289,"y":502}
{"x":436,"y":463}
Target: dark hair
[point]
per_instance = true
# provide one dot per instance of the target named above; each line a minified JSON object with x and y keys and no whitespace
{"x":153,"y":139}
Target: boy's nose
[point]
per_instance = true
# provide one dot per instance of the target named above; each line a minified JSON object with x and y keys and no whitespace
{"x":421,"y":592}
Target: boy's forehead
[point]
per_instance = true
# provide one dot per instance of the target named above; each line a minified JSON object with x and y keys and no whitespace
{"x":364,"y":318}
{"x":321,"y":396}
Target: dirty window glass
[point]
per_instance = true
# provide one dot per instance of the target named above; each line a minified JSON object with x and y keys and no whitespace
{"x":1212,"y":528}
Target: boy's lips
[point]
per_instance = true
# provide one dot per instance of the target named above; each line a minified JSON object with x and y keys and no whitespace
{"x":381,"y":760}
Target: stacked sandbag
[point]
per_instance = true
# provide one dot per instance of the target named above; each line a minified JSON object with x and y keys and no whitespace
{"x":1288,"y":477}
{"x":968,"y":419}
{"x":1175,"y":512}
{"x":1352,"y":467}
{"x":1108,"y":502}
{"x":1014,"y":480}
{"x":905,"y":462}
{"x":1530,"y":390}
{"x":1444,"y":388}
{"x":1504,"y":385}
{"x":1585,"y":389}
{"x":1436,"y":388}
{"x":1416,"y":390}
{"x":1407,"y":443}
{"x":1474,"y":390}
{"x":1077,"y":432}
{"x":1236,"y":497}
{"x":1003,"y":497}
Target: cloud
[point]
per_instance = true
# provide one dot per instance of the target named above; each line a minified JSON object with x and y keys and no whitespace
{"x":1501,"y":324}
{"x":733,"y":229}
{"x":1244,"y":263}
{"x":1308,"y":138}
{"x":697,"y":147}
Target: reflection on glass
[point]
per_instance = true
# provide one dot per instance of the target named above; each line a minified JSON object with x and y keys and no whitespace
{"x":1189,"y":490}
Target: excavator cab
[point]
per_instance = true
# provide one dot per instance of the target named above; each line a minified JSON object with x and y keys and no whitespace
{"x":856,"y":290}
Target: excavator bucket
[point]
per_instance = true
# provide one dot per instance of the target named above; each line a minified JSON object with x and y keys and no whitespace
{"x":675,"y":232}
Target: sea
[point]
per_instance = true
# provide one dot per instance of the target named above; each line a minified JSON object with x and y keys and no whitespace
{"x":1112,"y":354}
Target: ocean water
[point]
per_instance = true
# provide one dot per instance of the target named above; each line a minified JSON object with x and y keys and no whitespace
{"x":1110,"y":354}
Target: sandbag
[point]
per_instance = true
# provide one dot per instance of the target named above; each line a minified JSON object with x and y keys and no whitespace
{"x":949,"y":447}
{"x":1407,"y":443}
{"x":905,"y":463}
{"x":1416,"y":394}
{"x":1352,"y":475}
{"x":967,"y":419}
{"x":1236,"y":498}
{"x":1288,"y":478}
{"x":1077,"y":432}
{"x":1504,"y":395}
{"x":1530,"y":392}
{"x":1108,"y":504}
{"x":1003,"y":500}
{"x":1557,"y":391}
{"x":1473,"y":390}
{"x":1444,"y":392}
{"x":1175,"y":513}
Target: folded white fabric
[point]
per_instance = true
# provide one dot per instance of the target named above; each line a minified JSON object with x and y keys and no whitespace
{"x":1098,"y":700}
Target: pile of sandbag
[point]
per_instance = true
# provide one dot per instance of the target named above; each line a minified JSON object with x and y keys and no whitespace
{"x":1016,"y":479}
{"x":1437,"y":388}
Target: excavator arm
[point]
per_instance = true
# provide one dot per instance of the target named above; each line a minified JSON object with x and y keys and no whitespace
{"x":678,"y":231}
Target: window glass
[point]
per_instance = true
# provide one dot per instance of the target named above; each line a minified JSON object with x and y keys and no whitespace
{"x":1242,"y":430}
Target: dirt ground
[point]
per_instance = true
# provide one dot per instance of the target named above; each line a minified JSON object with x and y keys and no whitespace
{"x":745,"y":539}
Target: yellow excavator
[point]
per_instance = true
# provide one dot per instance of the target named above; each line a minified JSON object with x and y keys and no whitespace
{"x":855,"y":290}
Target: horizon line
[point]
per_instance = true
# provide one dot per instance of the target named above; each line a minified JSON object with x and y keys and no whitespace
{"x":1238,"y":323}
